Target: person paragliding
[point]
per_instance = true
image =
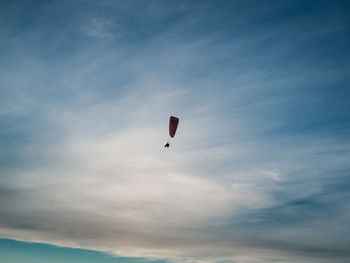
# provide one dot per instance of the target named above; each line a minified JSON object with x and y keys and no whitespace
{"x":173,"y":123}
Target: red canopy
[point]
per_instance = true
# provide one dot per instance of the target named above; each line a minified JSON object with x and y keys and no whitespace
{"x":173,"y":122}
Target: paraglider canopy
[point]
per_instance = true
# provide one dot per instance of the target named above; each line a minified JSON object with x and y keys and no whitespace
{"x":173,"y":122}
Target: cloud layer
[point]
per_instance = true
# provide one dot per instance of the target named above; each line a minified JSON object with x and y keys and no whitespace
{"x":258,"y":170}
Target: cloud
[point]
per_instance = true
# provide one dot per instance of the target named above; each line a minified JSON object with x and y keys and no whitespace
{"x":101,"y":28}
{"x":257,"y":169}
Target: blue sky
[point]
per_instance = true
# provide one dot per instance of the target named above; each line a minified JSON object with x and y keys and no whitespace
{"x":16,"y":251}
{"x":257,"y":172}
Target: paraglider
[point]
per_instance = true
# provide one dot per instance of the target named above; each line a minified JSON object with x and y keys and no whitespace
{"x":173,"y":123}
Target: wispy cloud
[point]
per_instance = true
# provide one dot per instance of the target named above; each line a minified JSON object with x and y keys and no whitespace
{"x":101,"y":28}
{"x":256,"y":172}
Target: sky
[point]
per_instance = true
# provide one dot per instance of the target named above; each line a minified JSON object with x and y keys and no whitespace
{"x":258,"y":170}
